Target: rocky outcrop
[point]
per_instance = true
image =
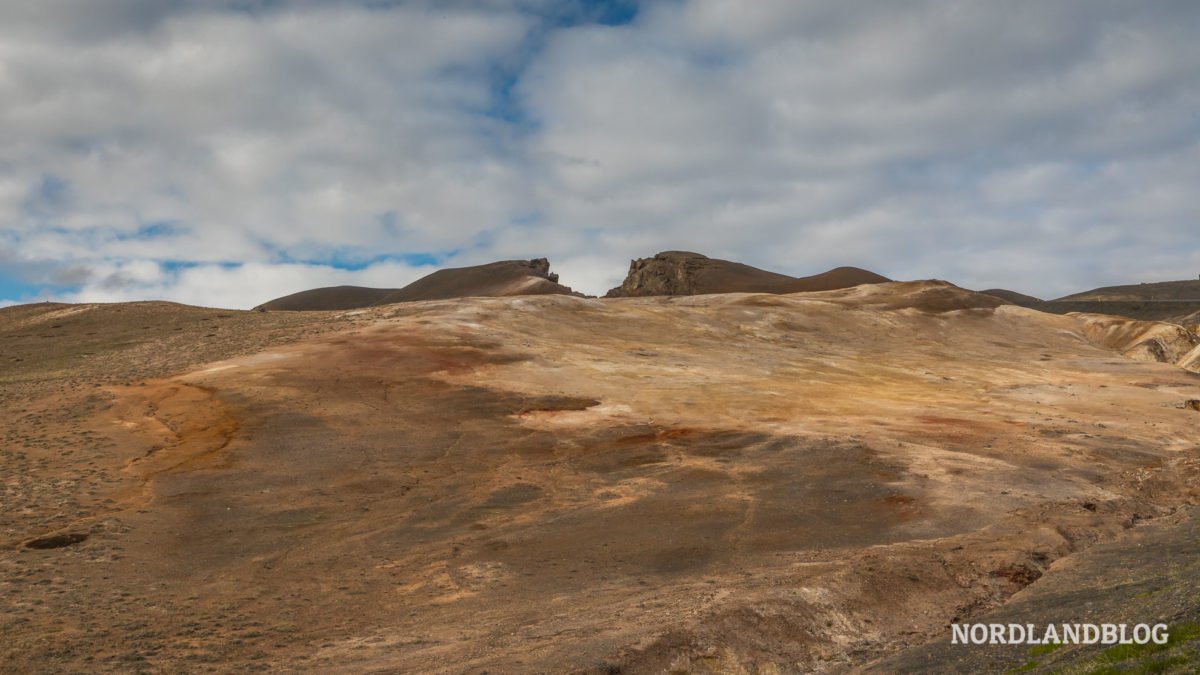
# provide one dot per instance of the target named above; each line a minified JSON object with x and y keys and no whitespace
{"x":1191,"y":361}
{"x":1144,"y":340}
{"x":687,"y":273}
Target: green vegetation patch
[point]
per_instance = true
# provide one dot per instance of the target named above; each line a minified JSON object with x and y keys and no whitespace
{"x":1148,"y":658}
{"x":1042,"y":650}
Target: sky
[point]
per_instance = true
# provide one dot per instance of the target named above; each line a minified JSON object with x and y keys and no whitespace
{"x":226,"y":152}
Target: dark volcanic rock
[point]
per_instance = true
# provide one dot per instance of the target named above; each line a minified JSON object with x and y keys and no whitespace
{"x":686,"y":273}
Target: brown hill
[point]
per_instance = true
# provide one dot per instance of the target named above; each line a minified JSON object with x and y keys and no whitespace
{"x":1171,"y":301}
{"x":687,"y":273}
{"x":718,"y":483}
{"x":498,"y":279}
{"x":1013,"y":297}
{"x":331,"y":298}
{"x":1175,"y":291}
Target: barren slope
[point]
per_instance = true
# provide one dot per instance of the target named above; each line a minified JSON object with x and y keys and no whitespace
{"x":542,"y":484}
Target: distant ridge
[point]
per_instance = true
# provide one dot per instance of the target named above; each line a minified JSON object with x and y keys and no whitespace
{"x":1013,"y":297}
{"x":1175,"y":302}
{"x":504,"y":278}
{"x":1175,"y":291}
{"x":687,"y":273}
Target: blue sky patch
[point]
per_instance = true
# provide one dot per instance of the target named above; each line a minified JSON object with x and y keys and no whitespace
{"x":152,"y":231}
{"x":610,"y":12}
{"x":354,"y":260}
{"x":176,"y":266}
{"x":13,"y":289}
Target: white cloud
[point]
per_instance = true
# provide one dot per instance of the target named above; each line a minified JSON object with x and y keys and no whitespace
{"x":300,"y":126}
{"x":904,"y":137}
{"x":1048,"y":146}
{"x":241,"y":287}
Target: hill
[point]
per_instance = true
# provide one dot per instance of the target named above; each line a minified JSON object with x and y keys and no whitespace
{"x":1163,"y":291}
{"x":1171,"y":301}
{"x":714,"y":483}
{"x":1181,"y":312}
{"x":1013,"y":297}
{"x":498,"y":279}
{"x":687,"y":273}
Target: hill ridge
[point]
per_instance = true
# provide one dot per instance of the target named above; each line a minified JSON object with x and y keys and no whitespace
{"x":496,"y":279}
{"x":688,"y":273}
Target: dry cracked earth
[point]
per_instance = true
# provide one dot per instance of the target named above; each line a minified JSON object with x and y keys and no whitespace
{"x":737,"y":483}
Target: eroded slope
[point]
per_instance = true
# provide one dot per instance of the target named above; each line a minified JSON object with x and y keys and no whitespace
{"x":553,"y":483}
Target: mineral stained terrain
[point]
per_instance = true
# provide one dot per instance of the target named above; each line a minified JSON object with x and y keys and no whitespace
{"x":742,"y":482}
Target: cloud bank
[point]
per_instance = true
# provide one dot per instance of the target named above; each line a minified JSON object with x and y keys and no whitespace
{"x":223,"y":153}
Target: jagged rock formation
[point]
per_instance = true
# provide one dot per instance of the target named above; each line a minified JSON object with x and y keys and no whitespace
{"x":687,"y":273}
{"x":498,"y":279}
